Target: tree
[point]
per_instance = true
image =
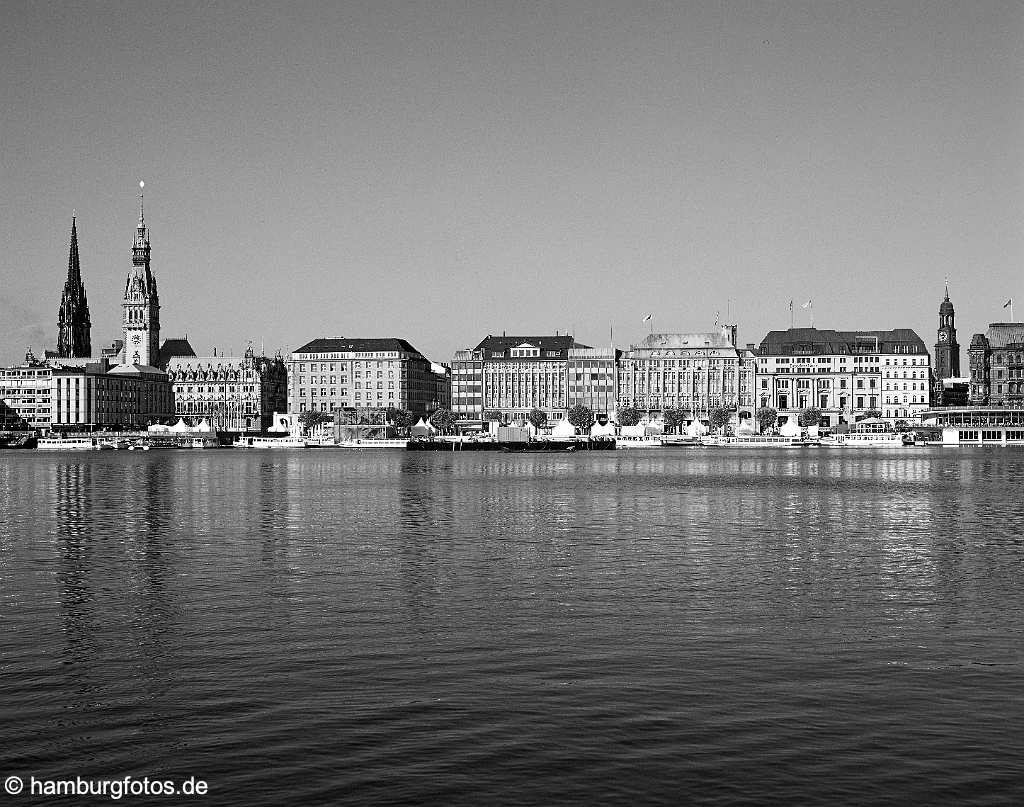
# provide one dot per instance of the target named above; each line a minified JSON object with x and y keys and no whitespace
{"x":873,"y":413}
{"x":719,"y":417}
{"x":444,"y":420}
{"x":493,"y":414}
{"x":628,"y":416}
{"x":401,"y":419}
{"x":766,"y":416}
{"x":582,"y":417}
{"x":538,"y":418}
{"x":674,"y":418}
{"x":312,"y":419}
{"x":810,"y":416}
{"x":901,"y":426}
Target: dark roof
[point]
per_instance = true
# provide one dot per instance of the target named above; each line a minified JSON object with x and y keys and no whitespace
{"x":502,"y":344}
{"x":1004,"y":334}
{"x":340,"y":344}
{"x":816,"y":341}
{"x":172,"y":348}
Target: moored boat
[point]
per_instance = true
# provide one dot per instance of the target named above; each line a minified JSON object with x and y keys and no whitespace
{"x":757,"y":441}
{"x":255,"y":441}
{"x":68,"y":444}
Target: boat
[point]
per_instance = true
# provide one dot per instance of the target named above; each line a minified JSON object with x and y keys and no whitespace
{"x":201,"y":442}
{"x":253,"y":441}
{"x":68,"y":444}
{"x":757,"y":441}
{"x":383,"y":442}
{"x":870,"y":433}
{"x":677,"y":440}
{"x":647,"y":441}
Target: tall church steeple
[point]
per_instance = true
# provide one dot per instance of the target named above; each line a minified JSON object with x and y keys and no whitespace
{"x":947,"y":350}
{"x":74,"y":338}
{"x":141,"y":304}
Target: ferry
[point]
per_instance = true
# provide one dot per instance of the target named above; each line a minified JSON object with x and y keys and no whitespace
{"x":871,"y":433}
{"x":757,"y":441}
{"x":68,"y":444}
{"x":252,"y":441}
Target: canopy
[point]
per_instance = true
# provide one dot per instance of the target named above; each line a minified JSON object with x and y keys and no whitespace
{"x":423,"y":429}
{"x":203,"y":426}
{"x":563,"y":428}
{"x":158,"y":427}
{"x":696,"y":429}
{"x":791,"y":428}
{"x":605,"y":430}
{"x":180,"y":426}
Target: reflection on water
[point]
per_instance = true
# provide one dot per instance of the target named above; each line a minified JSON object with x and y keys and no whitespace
{"x":464,"y":628}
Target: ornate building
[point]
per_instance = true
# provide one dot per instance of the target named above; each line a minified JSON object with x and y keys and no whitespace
{"x":232,"y":393}
{"x":947,"y":349}
{"x":141,"y":304}
{"x":74,"y":326}
{"x":845,"y":374}
{"x":691,"y":371}
{"x":997,"y":365}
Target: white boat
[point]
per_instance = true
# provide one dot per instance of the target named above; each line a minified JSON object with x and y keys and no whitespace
{"x":68,"y":444}
{"x":757,"y":441}
{"x":253,"y":441}
{"x":648,"y":441}
{"x":870,"y":433}
{"x":201,"y":442}
{"x":680,"y":440}
{"x":386,"y":442}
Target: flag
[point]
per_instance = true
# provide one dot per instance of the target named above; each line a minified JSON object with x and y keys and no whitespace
{"x":806,"y":305}
{"x":790,"y":305}
{"x":648,"y":317}
{"x":1008,"y":303}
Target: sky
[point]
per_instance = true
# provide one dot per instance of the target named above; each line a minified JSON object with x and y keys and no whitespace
{"x":441,"y":171}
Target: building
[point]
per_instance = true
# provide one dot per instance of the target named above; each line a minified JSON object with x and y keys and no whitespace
{"x":74,"y":328}
{"x":26,"y":395}
{"x":513,"y":375}
{"x":330,"y":374}
{"x":89,"y":395}
{"x":232,"y":393}
{"x":948,"y":387}
{"x":593,"y":374}
{"x":844,"y":374}
{"x":141,"y":321}
{"x":695,"y":372}
{"x":997,"y":365}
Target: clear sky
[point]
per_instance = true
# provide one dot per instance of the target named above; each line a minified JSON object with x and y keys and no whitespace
{"x":440,"y":171}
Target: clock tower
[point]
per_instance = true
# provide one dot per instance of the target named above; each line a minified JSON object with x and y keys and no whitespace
{"x":141,"y":304}
{"x":947,"y":350}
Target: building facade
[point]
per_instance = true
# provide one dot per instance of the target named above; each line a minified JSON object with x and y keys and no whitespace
{"x":695,"y":372}
{"x":74,"y":328}
{"x":232,"y":393}
{"x":844,"y":374}
{"x":26,"y":395}
{"x":513,"y":375}
{"x":330,"y":374}
{"x":593,"y":374}
{"x":141,"y":305}
{"x":996,"y":360}
{"x":101,"y":395}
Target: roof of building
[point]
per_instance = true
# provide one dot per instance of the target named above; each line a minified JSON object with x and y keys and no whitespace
{"x":687,"y":340}
{"x":173,"y":348}
{"x":341,"y":344}
{"x":817,"y":341}
{"x":502,"y":344}
{"x":1004,"y":334}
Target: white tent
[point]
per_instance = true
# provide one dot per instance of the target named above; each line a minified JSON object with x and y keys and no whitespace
{"x":745,"y":427}
{"x":203,"y":426}
{"x":696,"y":429}
{"x":791,"y":428}
{"x":633,"y":431}
{"x":423,"y":428}
{"x":158,"y":428}
{"x":180,"y":426}
{"x":607,"y":430}
{"x":563,"y":428}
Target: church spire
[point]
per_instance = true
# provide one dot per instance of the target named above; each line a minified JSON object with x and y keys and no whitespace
{"x":141,"y":321}
{"x":74,"y":326}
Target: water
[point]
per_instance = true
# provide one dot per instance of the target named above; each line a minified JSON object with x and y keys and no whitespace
{"x":635,"y":627}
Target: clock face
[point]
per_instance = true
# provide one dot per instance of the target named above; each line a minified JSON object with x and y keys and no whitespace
{"x":137,"y":338}
{"x":943,"y":336}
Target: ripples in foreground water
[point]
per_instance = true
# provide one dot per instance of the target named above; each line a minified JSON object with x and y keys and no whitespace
{"x":674,"y":626}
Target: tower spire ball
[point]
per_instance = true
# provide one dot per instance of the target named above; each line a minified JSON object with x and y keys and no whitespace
{"x":141,"y":214}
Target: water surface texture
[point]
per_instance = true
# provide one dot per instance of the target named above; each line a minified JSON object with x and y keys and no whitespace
{"x":644,"y":627}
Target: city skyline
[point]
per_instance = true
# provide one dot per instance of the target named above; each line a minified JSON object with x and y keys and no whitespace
{"x":438,"y":173}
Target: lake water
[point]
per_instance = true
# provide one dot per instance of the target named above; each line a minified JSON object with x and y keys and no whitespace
{"x":633,"y":627}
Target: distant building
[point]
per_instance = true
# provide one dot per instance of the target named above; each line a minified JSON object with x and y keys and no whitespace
{"x":695,"y":372}
{"x":997,"y":365}
{"x":74,"y":328}
{"x":514,"y":375}
{"x":330,"y":374}
{"x":26,"y":395}
{"x":232,"y":393}
{"x":97,"y":394}
{"x":947,"y":389}
{"x":593,"y":374}
{"x":845,"y":374}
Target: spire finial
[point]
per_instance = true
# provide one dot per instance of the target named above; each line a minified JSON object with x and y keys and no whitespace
{"x":947,"y":288}
{"x":142,"y":217}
